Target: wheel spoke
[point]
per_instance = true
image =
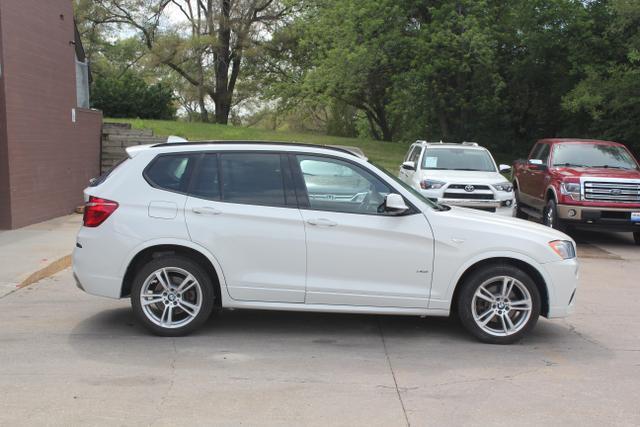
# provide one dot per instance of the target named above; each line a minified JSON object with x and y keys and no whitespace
{"x":151,"y":301}
{"x":187,"y":284}
{"x":486,"y":317}
{"x":521,"y":305}
{"x":190,"y":309}
{"x":507,"y":286}
{"x":161,"y":280}
{"x":508,"y":321}
{"x":484,"y":294}
{"x":504,"y":324}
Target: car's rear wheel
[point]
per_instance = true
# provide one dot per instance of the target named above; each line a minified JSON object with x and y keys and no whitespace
{"x":172,"y":296}
{"x":499,"y":304}
{"x":636,"y":237}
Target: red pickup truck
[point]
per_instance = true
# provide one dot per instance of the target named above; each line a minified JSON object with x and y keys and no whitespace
{"x":581,"y":182}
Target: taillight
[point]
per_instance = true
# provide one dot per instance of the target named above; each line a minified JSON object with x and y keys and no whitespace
{"x":97,"y":210}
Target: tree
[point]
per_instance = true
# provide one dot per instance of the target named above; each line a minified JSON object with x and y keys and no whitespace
{"x":209,"y":49}
{"x":128,"y":95}
{"x":609,"y":92}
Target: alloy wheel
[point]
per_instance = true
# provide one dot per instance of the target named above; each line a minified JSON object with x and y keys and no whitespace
{"x":171,"y":297}
{"x":501,"y":306}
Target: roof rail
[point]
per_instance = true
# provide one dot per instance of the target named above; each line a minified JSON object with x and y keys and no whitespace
{"x":474,"y":144}
{"x":243,"y":142}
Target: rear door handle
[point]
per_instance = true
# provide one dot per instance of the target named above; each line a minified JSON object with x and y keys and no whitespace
{"x":322,"y":222}
{"x":206,"y":210}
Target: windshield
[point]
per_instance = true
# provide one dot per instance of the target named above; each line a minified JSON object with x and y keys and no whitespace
{"x":458,"y":159}
{"x":593,"y":156}
{"x":409,"y":188}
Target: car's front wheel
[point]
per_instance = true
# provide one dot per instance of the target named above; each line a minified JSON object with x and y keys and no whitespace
{"x":550,"y":217}
{"x":499,"y":304}
{"x":172,"y":296}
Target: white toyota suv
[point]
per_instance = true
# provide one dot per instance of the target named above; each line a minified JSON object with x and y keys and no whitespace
{"x":182,"y":228}
{"x":458,"y":174}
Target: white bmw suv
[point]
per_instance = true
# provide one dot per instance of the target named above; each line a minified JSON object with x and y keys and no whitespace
{"x":182,"y":228}
{"x":458,"y":174}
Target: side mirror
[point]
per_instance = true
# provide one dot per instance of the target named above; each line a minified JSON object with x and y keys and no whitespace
{"x":394,"y":203}
{"x":409,"y":166}
{"x":504,"y":168}
{"x":536,"y":164}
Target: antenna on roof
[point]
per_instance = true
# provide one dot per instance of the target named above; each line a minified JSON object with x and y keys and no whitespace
{"x":173,"y":139}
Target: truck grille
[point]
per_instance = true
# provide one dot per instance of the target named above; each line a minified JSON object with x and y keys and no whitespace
{"x":612,"y":191}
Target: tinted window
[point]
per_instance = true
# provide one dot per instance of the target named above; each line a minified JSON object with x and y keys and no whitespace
{"x":335,"y":185}
{"x":170,"y":171}
{"x":543,"y":153}
{"x":206,"y":182}
{"x":415,"y":154}
{"x":254,"y":178}
{"x":464,"y":159}
{"x":592,"y":155}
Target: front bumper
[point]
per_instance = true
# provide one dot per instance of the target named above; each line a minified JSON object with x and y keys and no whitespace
{"x":602,"y":217}
{"x":563,"y":277}
{"x":501,"y":207}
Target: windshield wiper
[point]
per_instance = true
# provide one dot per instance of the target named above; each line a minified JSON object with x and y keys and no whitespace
{"x":575,"y":165}
{"x":610,"y":167}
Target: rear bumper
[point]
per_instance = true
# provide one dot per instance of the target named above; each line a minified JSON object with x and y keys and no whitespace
{"x":602,"y":217}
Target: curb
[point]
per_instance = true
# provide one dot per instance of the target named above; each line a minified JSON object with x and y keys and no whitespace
{"x":46,"y":271}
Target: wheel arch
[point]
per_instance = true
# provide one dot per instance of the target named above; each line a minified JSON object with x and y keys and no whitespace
{"x":159,"y":249}
{"x":551,"y":194}
{"x":528,"y":268}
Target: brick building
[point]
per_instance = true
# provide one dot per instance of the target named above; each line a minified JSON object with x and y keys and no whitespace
{"x":49,"y":138}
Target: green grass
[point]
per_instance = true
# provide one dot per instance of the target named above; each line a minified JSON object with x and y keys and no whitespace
{"x":386,"y":154}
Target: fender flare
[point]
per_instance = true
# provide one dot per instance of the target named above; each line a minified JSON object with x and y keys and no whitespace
{"x":179,"y":242}
{"x":484,"y":256}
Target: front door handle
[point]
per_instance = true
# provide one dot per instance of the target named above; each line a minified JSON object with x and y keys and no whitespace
{"x":206,"y":210}
{"x":322,"y":222}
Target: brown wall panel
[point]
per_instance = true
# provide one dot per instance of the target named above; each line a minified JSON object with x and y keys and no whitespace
{"x":51,"y":157}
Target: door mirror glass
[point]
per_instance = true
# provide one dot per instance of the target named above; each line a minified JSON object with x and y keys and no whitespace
{"x":536,"y":164}
{"x":504,"y":168}
{"x":409,"y":165}
{"x":394,"y":203}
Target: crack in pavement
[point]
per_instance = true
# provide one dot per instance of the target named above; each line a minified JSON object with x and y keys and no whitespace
{"x":393,"y":374}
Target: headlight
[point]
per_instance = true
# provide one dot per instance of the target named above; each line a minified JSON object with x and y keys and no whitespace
{"x":430,"y":184}
{"x":503,"y":186}
{"x":571,"y":189}
{"x":563,"y":248}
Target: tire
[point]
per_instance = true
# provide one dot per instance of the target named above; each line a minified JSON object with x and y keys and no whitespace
{"x":474,"y":309}
{"x":517,"y":212}
{"x":550,"y":217}
{"x":169,"y":311}
{"x":636,"y":237}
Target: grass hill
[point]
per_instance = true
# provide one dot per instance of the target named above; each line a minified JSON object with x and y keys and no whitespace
{"x":386,"y":154}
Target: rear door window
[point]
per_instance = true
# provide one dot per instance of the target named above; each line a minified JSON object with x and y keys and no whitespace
{"x":206,"y":180}
{"x":170,"y":171}
{"x":253,"y":178}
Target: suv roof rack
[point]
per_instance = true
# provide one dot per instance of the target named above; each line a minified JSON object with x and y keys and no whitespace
{"x":348,"y":150}
{"x":468,"y":143}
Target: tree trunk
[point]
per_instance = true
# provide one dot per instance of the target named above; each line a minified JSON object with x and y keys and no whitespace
{"x":204,"y":114}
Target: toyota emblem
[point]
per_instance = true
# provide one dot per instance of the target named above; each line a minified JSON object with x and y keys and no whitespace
{"x":616,"y":191}
{"x":469,"y":188}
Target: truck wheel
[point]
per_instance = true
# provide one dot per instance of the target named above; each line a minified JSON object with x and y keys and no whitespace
{"x":499,"y":304}
{"x":517,"y":212}
{"x":550,"y":217}
{"x":172,"y":296}
{"x":636,"y":237}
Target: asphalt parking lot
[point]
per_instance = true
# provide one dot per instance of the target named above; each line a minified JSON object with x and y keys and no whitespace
{"x":67,"y":358}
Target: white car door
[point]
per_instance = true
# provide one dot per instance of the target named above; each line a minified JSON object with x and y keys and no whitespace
{"x":242,"y":208}
{"x":407,"y":175}
{"x":357,"y":255}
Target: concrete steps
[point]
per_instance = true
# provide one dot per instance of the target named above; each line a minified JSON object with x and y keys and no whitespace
{"x":118,"y":136}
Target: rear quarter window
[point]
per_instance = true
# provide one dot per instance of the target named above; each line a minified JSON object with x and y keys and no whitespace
{"x":170,"y":171}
